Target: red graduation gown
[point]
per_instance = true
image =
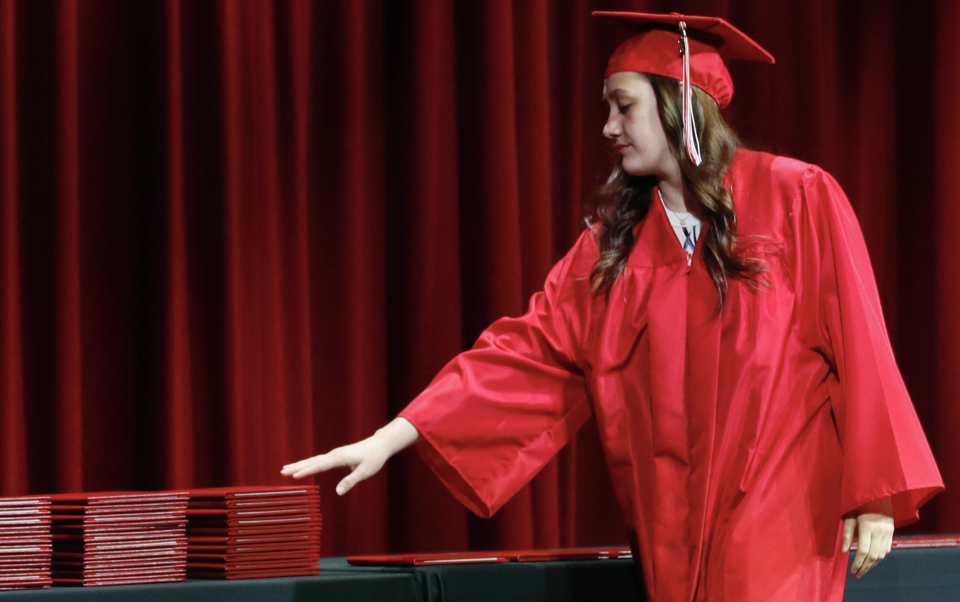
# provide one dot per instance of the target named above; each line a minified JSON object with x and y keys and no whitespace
{"x":735,"y":442}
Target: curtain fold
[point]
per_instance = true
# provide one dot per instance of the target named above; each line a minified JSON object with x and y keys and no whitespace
{"x":234,"y":234}
{"x":422,"y":278}
{"x":941,"y":408}
{"x":67,"y":352}
{"x":11,"y":356}
{"x":177,"y":398}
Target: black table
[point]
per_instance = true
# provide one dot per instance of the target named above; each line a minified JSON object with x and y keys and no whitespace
{"x":326,"y":586}
{"x":561,"y":581}
{"x":908,"y":575}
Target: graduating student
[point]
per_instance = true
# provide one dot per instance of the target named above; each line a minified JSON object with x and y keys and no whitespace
{"x":721,"y":321}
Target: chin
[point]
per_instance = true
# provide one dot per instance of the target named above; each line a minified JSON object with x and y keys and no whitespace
{"x":633,"y":169}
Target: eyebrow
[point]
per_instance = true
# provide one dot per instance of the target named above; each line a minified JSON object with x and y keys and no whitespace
{"x":615,"y":92}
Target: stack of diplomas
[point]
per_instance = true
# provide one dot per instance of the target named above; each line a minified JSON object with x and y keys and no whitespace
{"x":119,"y":538}
{"x":25,"y":543}
{"x":246,"y":532}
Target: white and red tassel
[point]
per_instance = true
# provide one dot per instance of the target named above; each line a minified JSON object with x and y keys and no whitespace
{"x":691,"y":139}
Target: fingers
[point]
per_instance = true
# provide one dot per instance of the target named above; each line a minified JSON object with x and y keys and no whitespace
{"x":303,"y":468}
{"x":878,"y":551}
{"x":366,"y":458}
{"x":359,"y":474}
{"x":876,"y":540}
{"x":316,"y":464}
{"x":325,"y":462}
{"x":887,"y":546}
{"x":369,"y":466}
{"x":863,"y":548}
{"x":849,"y":525}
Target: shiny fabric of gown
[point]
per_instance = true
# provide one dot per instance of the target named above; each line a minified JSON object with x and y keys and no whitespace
{"x":736,"y":441}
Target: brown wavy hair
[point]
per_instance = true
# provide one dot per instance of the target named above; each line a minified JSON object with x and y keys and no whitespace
{"x":625,"y":199}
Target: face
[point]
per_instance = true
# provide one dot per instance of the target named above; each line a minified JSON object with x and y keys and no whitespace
{"x":633,"y":125}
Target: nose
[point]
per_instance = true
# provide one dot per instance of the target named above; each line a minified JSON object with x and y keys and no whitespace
{"x":612,"y":129}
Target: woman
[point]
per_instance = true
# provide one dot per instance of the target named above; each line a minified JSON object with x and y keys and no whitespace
{"x":722,"y":323}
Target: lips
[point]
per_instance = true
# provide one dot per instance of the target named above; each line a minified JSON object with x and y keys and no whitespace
{"x":621,"y":147}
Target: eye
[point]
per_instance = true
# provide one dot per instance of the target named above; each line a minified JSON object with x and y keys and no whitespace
{"x":624,"y":108}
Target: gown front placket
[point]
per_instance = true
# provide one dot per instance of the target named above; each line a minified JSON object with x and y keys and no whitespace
{"x":684,"y":341}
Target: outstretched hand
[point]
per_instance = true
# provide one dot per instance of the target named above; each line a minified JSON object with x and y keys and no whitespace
{"x":363,"y":458}
{"x":874,"y":541}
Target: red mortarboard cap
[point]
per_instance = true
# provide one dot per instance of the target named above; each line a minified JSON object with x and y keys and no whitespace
{"x":711,"y":39}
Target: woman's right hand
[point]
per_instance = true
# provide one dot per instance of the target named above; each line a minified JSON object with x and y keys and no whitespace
{"x":364,"y":458}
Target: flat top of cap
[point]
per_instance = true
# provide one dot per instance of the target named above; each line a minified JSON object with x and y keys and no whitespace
{"x":729,"y":41}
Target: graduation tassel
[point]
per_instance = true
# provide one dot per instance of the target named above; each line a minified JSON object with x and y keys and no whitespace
{"x":691,"y":139}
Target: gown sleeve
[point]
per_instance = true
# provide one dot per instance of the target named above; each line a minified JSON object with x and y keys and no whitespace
{"x":496,"y":414}
{"x":884,"y":447}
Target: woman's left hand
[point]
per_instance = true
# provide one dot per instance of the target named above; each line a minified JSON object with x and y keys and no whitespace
{"x":874,"y":540}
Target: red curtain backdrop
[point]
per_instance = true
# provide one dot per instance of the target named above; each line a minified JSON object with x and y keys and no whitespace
{"x":237,"y":233}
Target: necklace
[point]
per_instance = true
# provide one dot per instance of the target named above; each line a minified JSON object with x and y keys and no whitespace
{"x":683,"y":218}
